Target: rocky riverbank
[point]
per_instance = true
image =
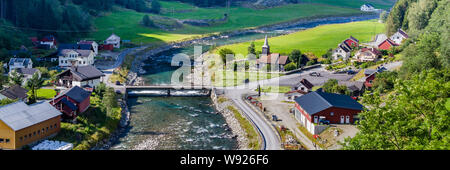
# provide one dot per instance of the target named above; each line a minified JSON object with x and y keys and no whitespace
{"x":232,"y":123}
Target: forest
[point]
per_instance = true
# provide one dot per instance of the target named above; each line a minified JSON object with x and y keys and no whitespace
{"x":407,"y":110}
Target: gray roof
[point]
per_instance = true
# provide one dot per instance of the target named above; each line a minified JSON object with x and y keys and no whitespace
{"x":81,"y":53}
{"x":26,"y":71}
{"x":18,"y":115}
{"x":15,"y":92}
{"x":317,"y":101}
{"x":81,"y":73}
{"x":76,"y":93}
{"x":352,"y":85}
{"x":369,"y":71}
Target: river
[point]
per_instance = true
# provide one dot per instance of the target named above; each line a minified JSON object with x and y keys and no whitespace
{"x":188,"y":123}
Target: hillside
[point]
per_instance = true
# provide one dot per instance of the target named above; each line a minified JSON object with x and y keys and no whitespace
{"x":316,"y":40}
{"x":412,"y":113}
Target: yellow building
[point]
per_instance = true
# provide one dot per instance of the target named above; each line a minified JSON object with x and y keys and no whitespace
{"x":22,"y":124}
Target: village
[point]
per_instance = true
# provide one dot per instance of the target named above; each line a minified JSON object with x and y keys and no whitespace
{"x":129,"y":75}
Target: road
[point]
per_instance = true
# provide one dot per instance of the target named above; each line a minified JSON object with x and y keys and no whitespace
{"x":270,"y":136}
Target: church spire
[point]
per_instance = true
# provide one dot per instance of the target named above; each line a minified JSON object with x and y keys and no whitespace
{"x":265,"y":48}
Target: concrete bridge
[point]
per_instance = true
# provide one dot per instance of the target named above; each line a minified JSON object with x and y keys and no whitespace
{"x":167,"y":90}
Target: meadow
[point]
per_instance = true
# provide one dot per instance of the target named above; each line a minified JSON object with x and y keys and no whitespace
{"x":126,"y":23}
{"x":316,"y":40}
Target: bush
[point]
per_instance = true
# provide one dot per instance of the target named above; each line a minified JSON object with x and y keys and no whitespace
{"x":290,"y":66}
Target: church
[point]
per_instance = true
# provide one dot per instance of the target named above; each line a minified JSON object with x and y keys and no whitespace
{"x":273,"y":59}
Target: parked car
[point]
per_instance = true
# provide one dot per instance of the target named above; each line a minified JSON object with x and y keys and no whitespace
{"x":324,"y":122}
{"x":117,"y":82}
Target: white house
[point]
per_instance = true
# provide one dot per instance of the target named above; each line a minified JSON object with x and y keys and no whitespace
{"x":81,"y":76}
{"x":77,"y":57}
{"x":367,"y":54}
{"x":342,"y":51}
{"x":114,"y":40}
{"x":399,"y":36}
{"x":20,"y":63}
{"x":26,"y":73}
{"x":91,"y":43}
{"x":368,"y":8}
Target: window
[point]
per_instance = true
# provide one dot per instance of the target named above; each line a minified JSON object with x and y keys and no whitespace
{"x":51,"y":126}
{"x":25,"y":137}
{"x":29,"y":135}
{"x":39,"y":132}
{"x":21,"y":139}
{"x":47,"y":129}
{"x":55,"y":125}
{"x":43,"y":130}
{"x":34,"y":133}
{"x":1,"y":140}
{"x":7,"y":140}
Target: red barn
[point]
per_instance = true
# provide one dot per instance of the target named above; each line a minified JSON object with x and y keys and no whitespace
{"x":72,"y":102}
{"x":387,"y":44}
{"x":106,"y":47}
{"x":316,"y":107}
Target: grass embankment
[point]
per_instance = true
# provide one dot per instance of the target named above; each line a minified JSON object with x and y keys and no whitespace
{"x":316,"y":40}
{"x":252,"y":134}
{"x":92,"y":126}
{"x":43,"y":94}
{"x":284,"y":137}
{"x":126,"y":23}
{"x":222,"y":78}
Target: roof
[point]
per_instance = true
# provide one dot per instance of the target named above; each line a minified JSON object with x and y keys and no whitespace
{"x":86,"y":42}
{"x":403,"y":33}
{"x":305,"y":83}
{"x":369,"y":71}
{"x":69,"y":104}
{"x":76,"y":93}
{"x":18,"y":115}
{"x":389,"y":41}
{"x":371,"y":50}
{"x":297,"y":91}
{"x":352,"y":85}
{"x":369,"y":5}
{"x":273,"y":58}
{"x":15,"y":92}
{"x":266,"y":43}
{"x":113,"y":36}
{"x":344,"y":47}
{"x":354,"y":39}
{"x":317,"y":101}
{"x":23,"y":61}
{"x":82,"y":46}
{"x":26,"y":71}
{"x":81,"y":53}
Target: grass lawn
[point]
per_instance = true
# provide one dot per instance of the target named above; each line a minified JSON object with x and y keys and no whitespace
{"x":275,"y":89}
{"x":316,"y":40}
{"x":44,"y":94}
{"x":126,"y":23}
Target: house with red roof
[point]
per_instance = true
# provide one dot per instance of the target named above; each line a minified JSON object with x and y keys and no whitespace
{"x":387,"y":44}
{"x":344,"y":49}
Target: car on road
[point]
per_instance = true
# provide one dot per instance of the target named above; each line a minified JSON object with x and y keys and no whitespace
{"x":351,"y":72}
{"x":118,"y":83}
{"x":314,"y":74}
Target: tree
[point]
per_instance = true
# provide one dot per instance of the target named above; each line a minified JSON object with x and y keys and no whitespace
{"x":332,"y":86}
{"x":413,"y":116}
{"x":385,"y":81}
{"x":146,"y":21}
{"x":33,"y":84}
{"x":251,"y":49}
{"x":296,"y":57}
{"x":156,"y":7}
{"x":109,"y":100}
{"x":7,"y":101}
{"x":383,"y":16}
{"x":290,"y":66}
{"x":15,"y":78}
{"x":224,"y":53}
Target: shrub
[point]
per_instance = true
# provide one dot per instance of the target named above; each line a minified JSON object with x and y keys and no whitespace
{"x":290,"y":66}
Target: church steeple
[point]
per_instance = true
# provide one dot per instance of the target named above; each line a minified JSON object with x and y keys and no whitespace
{"x":266,"y":47}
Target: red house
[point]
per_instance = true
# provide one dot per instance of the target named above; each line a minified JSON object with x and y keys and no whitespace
{"x":387,"y":44}
{"x":318,"y":107}
{"x":72,"y":102}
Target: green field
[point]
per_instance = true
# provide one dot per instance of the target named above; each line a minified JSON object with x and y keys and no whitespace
{"x":379,"y":4}
{"x":44,"y":93}
{"x":126,"y":23}
{"x":316,"y":40}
